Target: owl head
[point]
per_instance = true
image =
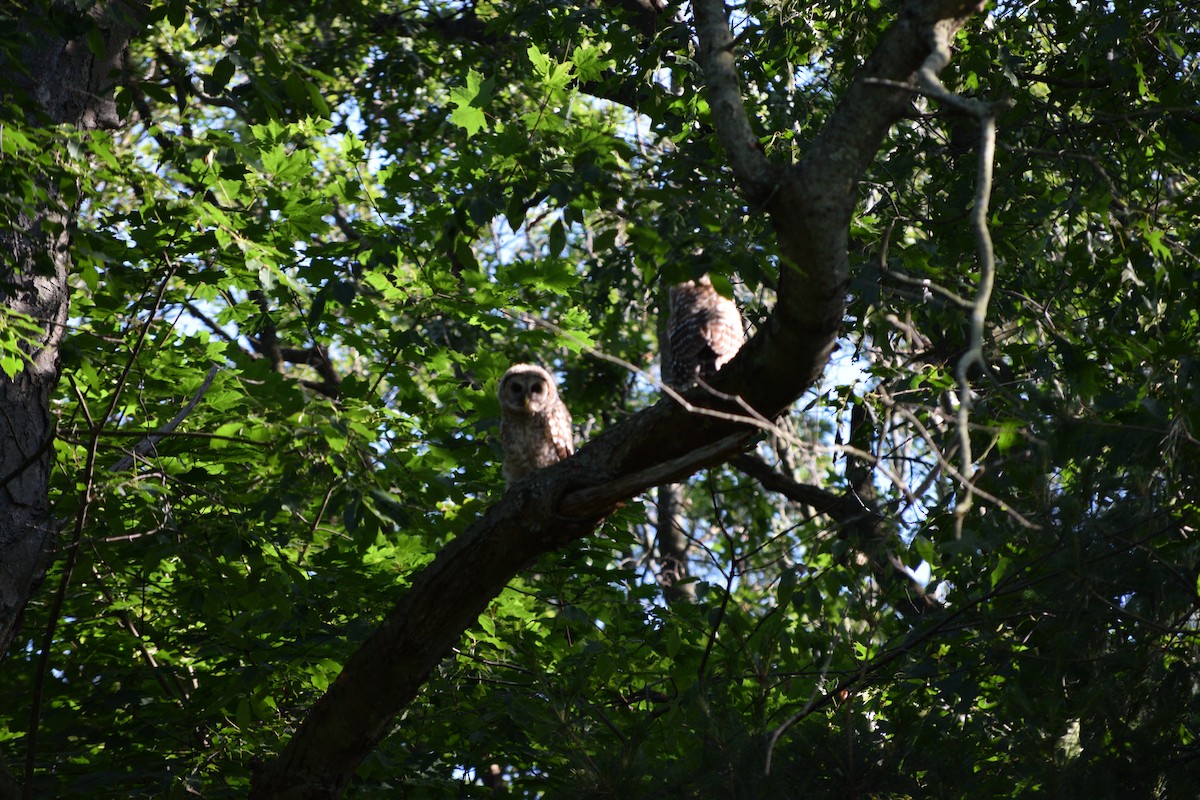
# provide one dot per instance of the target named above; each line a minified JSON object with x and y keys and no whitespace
{"x":683,"y":295}
{"x":527,"y":389}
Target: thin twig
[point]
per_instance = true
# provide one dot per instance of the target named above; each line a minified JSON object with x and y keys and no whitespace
{"x":148,"y":444}
{"x":930,"y":85}
{"x":752,"y":418}
{"x":716,"y":625}
{"x":799,"y":715}
{"x":586,"y":500}
{"x":86,"y":497}
{"x":927,"y":285}
{"x":987,"y":277}
{"x":945,"y":463}
{"x":212,"y":325}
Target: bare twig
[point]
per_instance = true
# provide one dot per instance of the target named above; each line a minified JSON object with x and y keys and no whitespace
{"x":857,"y":515}
{"x":927,"y":285}
{"x":813,"y":697}
{"x":147,"y":444}
{"x":86,"y":498}
{"x":987,"y":276}
{"x":890,"y":402}
{"x":212,"y":325}
{"x":702,"y":667}
{"x":590,"y":500}
{"x":751,"y":418}
{"x":929,"y":84}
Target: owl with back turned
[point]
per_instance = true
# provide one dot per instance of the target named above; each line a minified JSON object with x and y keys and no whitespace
{"x":704,"y":331}
{"x":535,"y":425}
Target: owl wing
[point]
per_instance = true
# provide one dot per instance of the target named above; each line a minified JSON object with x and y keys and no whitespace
{"x":723,"y":335}
{"x":561,"y":435}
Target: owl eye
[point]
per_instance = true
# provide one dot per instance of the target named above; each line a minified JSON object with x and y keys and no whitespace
{"x":536,"y":388}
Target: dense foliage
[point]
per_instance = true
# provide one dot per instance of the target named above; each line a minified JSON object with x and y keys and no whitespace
{"x":325,"y":230}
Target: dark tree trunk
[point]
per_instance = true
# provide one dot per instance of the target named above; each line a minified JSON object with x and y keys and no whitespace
{"x":671,"y":543}
{"x":57,"y":79}
{"x":33,"y":281}
{"x":673,"y":546}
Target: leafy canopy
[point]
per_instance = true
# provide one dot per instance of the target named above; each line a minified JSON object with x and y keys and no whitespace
{"x":362,"y":214}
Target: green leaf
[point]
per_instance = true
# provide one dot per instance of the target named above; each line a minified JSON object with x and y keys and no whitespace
{"x":787,"y":585}
{"x":469,"y":102}
{"x":317,"y":309}
{"x":222,"y":73}
{"x":468,"y":118}
{"x":558,"y":238}
{"x":11,"y":365}
{"x":589,"y":63}
{"x":540,"y":61}
{"x":721,"y":283}
{"x":1008,"y":435}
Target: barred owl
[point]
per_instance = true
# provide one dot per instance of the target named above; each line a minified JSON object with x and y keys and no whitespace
{"x":535,"y":425}
{"x":704,"y":330}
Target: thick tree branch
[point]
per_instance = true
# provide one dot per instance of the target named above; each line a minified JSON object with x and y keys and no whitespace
{"x":753,"y":171}
{"x":672,"y":544}
{"x":811,"y":208}
{"x":596,"y":500}
{"x":811,"y":204}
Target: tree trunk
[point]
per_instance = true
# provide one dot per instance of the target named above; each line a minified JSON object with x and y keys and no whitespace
{"x":58,"y":80}
{"x":33,"y":281}
{"x":671,"y":543}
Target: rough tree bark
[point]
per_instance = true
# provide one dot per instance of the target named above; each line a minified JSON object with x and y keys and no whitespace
{"x":57,"y":80}
{"x":60,"y":80}
{"x":810,"y":205}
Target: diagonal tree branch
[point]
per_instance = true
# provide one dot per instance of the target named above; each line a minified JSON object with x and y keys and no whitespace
{"x":148,"y":444}
{"x":753,"y":171}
